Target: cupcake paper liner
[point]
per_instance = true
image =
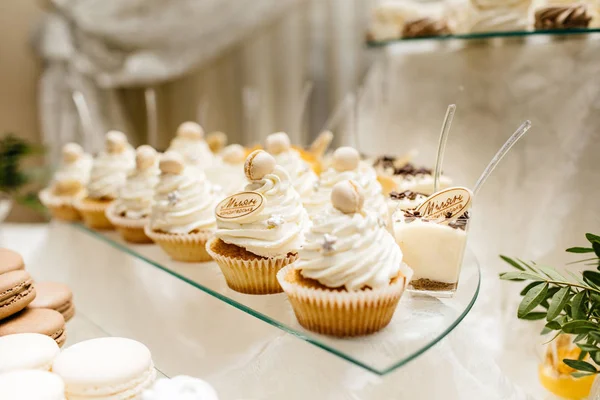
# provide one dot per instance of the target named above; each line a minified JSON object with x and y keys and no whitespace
{"x":342,"y":313}
{"x":94,"y":214}
{"x":61,"y":207}
{"x":257,"y":276}
{"x":131,"y":230}
{"x":190,"y":247}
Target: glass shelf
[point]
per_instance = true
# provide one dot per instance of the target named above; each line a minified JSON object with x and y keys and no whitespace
{"x":418,"y":324}
{"x":488,"y":35}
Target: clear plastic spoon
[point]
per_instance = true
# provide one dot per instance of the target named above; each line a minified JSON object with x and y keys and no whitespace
{"x":500,"y":154}
{"x":442,"y":145}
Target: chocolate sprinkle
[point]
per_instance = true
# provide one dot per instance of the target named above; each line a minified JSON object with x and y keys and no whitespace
{"x":387,"y":163}
{"x":407,"y":194}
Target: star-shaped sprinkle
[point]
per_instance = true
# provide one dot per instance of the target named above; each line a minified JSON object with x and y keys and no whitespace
{"x":328,"y":243}
{"x":173,"y":197}
{"x":275,"y":221}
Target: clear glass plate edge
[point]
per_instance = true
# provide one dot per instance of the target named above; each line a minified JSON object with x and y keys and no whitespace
{"x":285,"y":328}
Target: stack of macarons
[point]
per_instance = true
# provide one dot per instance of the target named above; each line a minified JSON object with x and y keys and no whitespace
{"x":28,"y":307}
{"x":33,"y":367}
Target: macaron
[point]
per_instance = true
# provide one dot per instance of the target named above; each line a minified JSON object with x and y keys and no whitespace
{"x":31,"y":385}
{"x":108,"y":367}
{"x":10,"y":261}
{"x":27,"y":351}
{"x":36,"y":320}
{"x":16,"y":292}
{"x":181,"y":387}
{"x":55,"y":296}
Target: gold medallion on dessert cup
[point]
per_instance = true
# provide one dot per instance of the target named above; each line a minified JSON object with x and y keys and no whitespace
{"x":93,"y":212}
{"x":186,"y":247}
{"x":433,"y":240}
{"x":245,"y":272}
{"x":131,"y":230}
{"x":338,"y":312}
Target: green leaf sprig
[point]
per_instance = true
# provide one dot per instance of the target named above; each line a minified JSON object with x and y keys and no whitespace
{"x":568,"y":304}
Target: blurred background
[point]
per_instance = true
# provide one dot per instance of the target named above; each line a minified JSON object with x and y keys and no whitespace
{"x":70,"y":70}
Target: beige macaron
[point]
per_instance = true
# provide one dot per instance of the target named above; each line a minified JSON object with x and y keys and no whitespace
{"x":348,"y":197}
{"x":258,"y":164}
{"x":190,"y":130}
{"x":278,"y":142}
{"x":55,"y":296}
{"x":346,"y":159}
{"x":171,"y":163}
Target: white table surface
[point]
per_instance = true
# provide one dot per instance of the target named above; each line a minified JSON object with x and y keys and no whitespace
{"x":189,"y":332}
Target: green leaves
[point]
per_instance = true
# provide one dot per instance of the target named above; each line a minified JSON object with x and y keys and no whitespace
{"x":592,"y":238}
{"x":579,"y":250}
{"x":580,"y":326}
{"x":559,"y":300}
{"x":517,"y":276}
{"x":532,"y":299}
{"x":578,"y":306}
{"x":580,"y":365}
{"x":569,"y":301}
{"x":592,"y":277}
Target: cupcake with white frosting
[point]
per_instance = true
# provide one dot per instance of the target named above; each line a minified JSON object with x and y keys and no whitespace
{"x":189,"y":142}
{"x":302,"y":176}
{"x":350,"y":275}
{"x":68,"y":183}
{"x":108,"y":176}
{"x":229,"y":174}
{"x":346,"y":165}
{"x":182,"y":218}
{"x":251,"y":249}
{"x":130,"y":212}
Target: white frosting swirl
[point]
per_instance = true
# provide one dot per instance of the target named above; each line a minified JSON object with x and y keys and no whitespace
{"x":364,"y":175}
{"x":357,"y":252}
{"x":77,"y":171}
{"x":109,"y":174}
{"x":302,"y":176}
{"x":136,"y":197}
{"x":184,"y":203}
{"x":194,"y":150}
{"x":279,"y":228}
{"x":230,"y":177}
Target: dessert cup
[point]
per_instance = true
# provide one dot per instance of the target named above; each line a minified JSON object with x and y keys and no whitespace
{"x":338,"y":312}
{"x":433,"y":249}
{"x":246,"y":272}
{"x":93,"y":212}
{"x":131,"y":230}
